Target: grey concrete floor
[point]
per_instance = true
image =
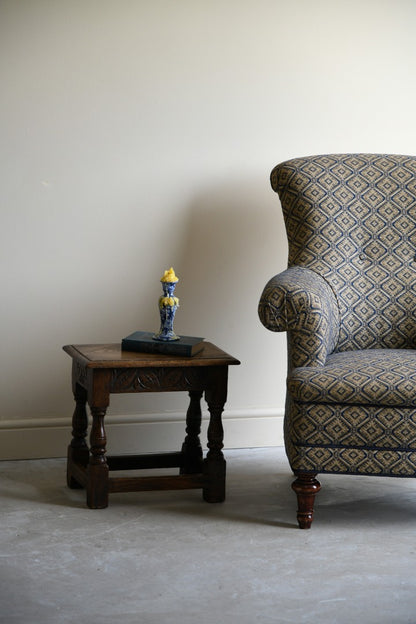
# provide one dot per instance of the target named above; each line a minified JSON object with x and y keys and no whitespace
{"x":170,"y":558}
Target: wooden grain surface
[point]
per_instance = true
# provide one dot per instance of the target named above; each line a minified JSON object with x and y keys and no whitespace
{"x":111,"y":356}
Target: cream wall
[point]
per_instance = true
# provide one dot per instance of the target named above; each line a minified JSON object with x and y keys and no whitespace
{"x":137,"y":135}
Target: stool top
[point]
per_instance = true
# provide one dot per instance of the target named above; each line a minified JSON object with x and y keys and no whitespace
{"x":111,"y":356}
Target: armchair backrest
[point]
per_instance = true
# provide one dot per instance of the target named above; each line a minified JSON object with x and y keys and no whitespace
{"x":352,"y":219}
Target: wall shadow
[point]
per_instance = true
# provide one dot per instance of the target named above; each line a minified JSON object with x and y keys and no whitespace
{"x":234,"y":242}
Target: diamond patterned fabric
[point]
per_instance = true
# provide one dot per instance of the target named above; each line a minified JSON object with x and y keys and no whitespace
{"x":352,"y":219}
{"x":348,"y":303}
{"x":300,"y":301}
{"x":373,"y":376}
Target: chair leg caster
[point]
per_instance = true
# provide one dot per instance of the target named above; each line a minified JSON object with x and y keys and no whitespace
{"x":306,"y":487}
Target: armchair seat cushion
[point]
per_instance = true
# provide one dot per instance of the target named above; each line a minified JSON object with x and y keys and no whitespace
{"x":383,"y":377}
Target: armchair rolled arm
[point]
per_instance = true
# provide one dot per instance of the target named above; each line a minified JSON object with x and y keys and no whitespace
{"x":301,"y":302}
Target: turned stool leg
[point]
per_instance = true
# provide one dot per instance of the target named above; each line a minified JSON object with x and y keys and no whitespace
{"x":97,"y":471}
{"x":191,"y":462}
{"x":214,"y":463}
{"x":306,"y":487}
{"x":78,"y":450}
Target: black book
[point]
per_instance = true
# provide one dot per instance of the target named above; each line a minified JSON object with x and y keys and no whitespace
{"x":144,"y":342}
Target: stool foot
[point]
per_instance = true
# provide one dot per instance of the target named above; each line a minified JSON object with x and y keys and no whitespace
{"x":97,"y":486}
{"x":76,"y":456}
{"x":191,"y":462}
{"x":214,"y":480}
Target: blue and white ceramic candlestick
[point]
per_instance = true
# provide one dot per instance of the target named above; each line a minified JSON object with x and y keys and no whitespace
{"x":168,"y":305}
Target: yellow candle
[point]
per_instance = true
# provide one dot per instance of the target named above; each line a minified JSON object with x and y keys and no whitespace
{"x":169,"y":276}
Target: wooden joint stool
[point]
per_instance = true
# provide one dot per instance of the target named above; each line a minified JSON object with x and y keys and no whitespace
{"x":102,"y":369}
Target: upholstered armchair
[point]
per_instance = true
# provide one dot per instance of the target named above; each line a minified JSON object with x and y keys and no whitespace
{"x":348,"y":304}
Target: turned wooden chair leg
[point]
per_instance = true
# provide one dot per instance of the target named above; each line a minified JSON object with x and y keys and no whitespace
{"x":306,"y":487}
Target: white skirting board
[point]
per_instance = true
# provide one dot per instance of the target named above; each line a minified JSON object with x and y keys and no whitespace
{"x":47,"y":438}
